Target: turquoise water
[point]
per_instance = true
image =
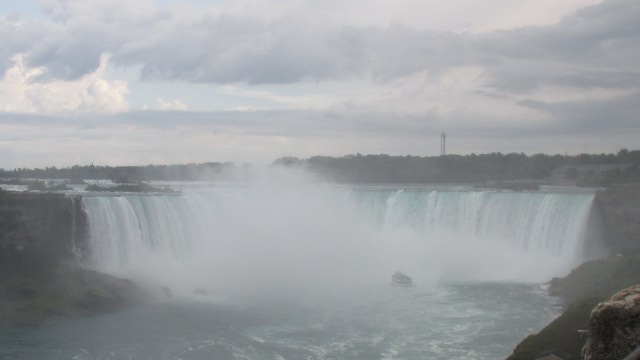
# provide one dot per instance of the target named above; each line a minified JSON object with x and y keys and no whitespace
{"x":455,"y":321}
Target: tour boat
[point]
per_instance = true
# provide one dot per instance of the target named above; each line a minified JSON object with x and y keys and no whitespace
{"x":400,"y":279}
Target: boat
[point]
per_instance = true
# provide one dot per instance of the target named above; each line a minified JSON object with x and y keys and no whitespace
{"x":401,"y":279}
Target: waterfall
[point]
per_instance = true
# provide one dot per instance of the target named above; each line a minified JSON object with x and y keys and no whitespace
{"x":320,"y":237}
{"x":535,"y":221}
{"x":484,"y":235}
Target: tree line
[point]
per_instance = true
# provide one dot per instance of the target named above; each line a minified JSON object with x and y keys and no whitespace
{"x":372,"y":169}
{"x":123,"y":174}
{"x":472,"y":168}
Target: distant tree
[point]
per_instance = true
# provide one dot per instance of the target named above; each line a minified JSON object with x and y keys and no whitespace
{"x":571,"y":174}
{"x":37,"y":185}
{"x":623,"y":153}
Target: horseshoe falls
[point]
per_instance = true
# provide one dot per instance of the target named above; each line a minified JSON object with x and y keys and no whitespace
{"x":304,"y":272}
{"x":308,"y":238}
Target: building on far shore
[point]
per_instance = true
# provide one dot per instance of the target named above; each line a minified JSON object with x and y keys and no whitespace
{"x":568,"y":173}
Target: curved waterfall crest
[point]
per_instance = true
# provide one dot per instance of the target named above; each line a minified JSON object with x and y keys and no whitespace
{"x":226,"y":236}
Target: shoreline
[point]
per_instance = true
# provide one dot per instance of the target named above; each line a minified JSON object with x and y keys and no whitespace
{"x":581,"y":291}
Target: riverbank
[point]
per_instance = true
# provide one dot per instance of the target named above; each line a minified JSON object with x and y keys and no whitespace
{"x":581,"y":290}
{"x":32,"y":298}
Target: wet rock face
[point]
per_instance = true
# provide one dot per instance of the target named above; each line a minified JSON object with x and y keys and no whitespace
{"x":620,"y":210}
{"x":99,"y":292}
{"x":614,"y":326}
{"x":40,"y":228}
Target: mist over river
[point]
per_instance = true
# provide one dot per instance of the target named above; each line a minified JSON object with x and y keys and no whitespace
{"x":302,"y":271}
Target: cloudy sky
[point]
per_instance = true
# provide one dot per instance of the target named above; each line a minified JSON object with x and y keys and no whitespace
{"x":117,"y":82}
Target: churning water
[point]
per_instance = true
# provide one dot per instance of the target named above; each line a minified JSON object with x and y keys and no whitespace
{"x":303,"y":272}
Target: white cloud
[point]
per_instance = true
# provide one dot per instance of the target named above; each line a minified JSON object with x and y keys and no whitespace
{"x":71,"y":10}
{"x":433,"y":15}
{"x":22,"y":91}
{"x":244,"y":108}
{"x":170,"y":105}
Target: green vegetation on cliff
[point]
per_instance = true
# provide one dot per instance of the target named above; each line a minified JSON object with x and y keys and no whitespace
{"x":562,"y":334}
{"x":586,"y":286}
{"x":599,"y":278}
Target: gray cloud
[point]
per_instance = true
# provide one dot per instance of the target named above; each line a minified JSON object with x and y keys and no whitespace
{"x":229,"y":49}
{"x":18,"y":36}
{"x":588,"y":48}
{"x":293,"y":123}
{"x":69,"y":59}
{"x":595,"y":47}
{"x":609,"y":78}
{"x":603,"y":117}
{"x":269,"y":52}
{"x":262,"y":136}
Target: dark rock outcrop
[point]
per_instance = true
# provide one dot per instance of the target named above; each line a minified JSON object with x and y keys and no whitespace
{"x":599,"y":278}
{"x":585,"y":287}
{"x":34,"y":299}
{"x":42,"y":242}
{"x":99,"y":292}
{"x":614,"y":326}
{"x":563,"y":334}
{"x":39,"y":230}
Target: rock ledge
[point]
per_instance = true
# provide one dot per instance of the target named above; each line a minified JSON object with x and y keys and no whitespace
{"x":614,"y":326}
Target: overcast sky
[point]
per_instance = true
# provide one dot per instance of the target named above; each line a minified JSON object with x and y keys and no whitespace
{"x":117,"y":82}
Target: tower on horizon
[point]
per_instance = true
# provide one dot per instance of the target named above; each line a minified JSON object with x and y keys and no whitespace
{"x":443,"y":144}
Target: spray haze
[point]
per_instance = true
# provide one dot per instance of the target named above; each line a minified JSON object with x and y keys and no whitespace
{"x":285,"y":235}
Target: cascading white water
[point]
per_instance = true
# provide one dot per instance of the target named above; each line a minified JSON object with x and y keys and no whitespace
{"x":483,"y":235}
{"x":279,"y":239}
